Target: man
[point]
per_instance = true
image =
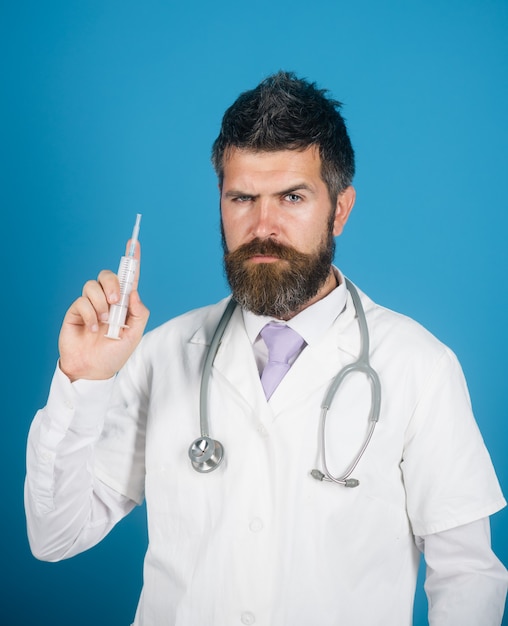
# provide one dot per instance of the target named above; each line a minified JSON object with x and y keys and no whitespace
{"x":259,"y":540}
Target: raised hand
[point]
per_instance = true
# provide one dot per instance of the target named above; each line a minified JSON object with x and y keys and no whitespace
{"x":85,"y":351}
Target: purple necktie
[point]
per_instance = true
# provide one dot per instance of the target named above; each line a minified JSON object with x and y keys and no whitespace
{"x":282,"y":343}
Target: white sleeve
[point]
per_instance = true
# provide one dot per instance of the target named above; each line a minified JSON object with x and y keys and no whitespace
{"x":67,"y":508}
{"x":465,"y":582}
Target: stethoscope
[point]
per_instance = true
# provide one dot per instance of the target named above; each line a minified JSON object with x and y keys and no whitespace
{"x":206,"y":453}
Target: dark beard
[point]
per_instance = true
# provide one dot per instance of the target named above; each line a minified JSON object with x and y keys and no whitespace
{"x":281,"y":288}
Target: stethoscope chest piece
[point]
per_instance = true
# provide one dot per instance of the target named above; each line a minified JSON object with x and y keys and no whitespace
{"x":205,"y":454}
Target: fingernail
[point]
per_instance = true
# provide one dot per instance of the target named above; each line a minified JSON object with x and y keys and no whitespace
{"x":94,"y":328}
{"x":112,"y":298}
{"x":104,"y":317}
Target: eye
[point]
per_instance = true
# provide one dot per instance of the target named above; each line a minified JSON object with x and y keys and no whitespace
{"x":293,"y":198}
{"x":242,"y":198}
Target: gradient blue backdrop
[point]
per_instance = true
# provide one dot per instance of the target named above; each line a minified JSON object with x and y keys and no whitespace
{"x":110,"y":107}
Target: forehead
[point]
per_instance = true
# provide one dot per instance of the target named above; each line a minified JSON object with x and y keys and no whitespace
{"x":247,"y":165}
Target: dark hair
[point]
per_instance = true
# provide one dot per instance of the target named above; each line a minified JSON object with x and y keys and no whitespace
{"x":287,"y":113}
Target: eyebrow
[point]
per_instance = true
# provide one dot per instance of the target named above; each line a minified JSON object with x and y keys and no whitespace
{"x":235,"y":193}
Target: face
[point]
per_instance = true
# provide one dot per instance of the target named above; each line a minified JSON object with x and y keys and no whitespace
{"x":278,"y":228}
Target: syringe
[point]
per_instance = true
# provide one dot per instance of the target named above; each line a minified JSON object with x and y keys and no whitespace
{"x":126,"y":273}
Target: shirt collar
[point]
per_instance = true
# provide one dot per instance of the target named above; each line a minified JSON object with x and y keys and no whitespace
{"x":312,"y":322}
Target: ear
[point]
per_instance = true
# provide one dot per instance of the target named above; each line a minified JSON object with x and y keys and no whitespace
{"x":345,"y":202}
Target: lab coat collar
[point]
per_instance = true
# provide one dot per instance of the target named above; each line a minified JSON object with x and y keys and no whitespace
{"x":204,"y":334}
{"x":234,"y":360}
{"x":319,"y":362}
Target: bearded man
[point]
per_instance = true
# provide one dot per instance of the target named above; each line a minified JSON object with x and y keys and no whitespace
{"x":252,"y":537}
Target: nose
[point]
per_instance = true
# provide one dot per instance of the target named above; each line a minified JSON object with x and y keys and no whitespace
{"x":266,"y":221}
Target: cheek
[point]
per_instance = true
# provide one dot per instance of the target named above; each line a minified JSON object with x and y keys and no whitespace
{"x":230,"y":231}
{"x":307,"y":236}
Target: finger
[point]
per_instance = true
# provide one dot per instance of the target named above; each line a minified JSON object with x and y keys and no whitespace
{"x":82,"y":313}
{"x":110,"y":285}
{"x":94,"y":293}
{"x":137,"y":255}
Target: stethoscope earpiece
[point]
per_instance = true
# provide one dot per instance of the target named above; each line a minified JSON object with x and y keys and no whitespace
{"x":205,"y":454}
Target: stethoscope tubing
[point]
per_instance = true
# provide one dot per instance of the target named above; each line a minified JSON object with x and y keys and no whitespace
{"x":206,"y":454}
{"x":361,"y":365}
{"x":207,"y":367}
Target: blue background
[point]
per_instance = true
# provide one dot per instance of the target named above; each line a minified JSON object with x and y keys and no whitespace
{"x":109,"y":108}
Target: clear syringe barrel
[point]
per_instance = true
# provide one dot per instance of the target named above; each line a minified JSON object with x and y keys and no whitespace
{"x":126,"y":274}
{"x":118,"y":311}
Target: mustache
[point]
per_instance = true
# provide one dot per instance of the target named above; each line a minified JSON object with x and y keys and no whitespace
{"x":265,"y":247}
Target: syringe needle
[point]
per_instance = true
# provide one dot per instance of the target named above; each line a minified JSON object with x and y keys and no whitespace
{"x":135,"y":234}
